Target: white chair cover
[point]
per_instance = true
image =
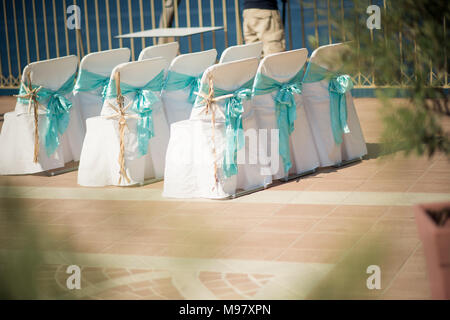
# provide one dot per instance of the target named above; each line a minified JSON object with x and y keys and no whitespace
{"x":99,"y":164}
{"x":168,"y":51}
{"x":102,"y":63}
{"x":190,"y":157}
{"x":243,"y":51}
{"x":317,"y":105}
{"x":177,"y":103}
{"x":283,"y":67}
{"x":17,"y":135}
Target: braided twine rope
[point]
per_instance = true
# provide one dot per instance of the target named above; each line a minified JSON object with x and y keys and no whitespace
{"x":211,"y":107}
{"x":33,"y":104}
{"x":121,"y":116}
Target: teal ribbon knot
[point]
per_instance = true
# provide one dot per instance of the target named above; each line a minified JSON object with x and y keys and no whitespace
{"x":143,"y":102}
{"x":338,"y":86}
{"x":285,"y":108}
{"x":234,"y":132}
{"x":285,"y":99}
{"x":57,"y":112}
{"x":180,"y":81}
{"x":58,"y":116}
{"x":142,"y":105}
{"x":194,"y":87}
{"x":89,"y":81}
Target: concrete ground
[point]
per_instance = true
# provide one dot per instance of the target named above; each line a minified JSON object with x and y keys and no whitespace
{"x":311,"y":238}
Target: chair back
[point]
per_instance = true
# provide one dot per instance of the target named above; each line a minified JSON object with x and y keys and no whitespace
{"x":284,"y":65}
{"x":228,"y":76}
{"x":168,"y":51}
{"x":178,"y":103}
{"x":194,"y":63}
{"x":330,"y":56}
{"x":51,"y":74}
{"x":281,"y":67}
{"x":136,"y":74}
{"x":243,"y":51}
{"x":103,"y":62}
{"x":89,"y":99}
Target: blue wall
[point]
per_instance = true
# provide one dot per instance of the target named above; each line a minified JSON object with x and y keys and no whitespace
{"x":298,"y":37}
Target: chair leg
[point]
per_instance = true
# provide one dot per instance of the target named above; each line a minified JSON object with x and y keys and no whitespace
{"x":245,"y":192}
{"x":292,"y":177}
{"x":57,"y":172}
{"x":347,"y":162}
{"x":150,"y":181}
{"x":299,"y":175}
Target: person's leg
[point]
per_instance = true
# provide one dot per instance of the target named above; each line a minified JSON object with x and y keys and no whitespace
{"x":249,"y":22}
{"x":266,"y":26}
{"x":166,"y":18}
{"x":273,"y":35}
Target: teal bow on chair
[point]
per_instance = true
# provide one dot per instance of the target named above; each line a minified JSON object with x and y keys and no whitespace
{"x":180,"y":81}
{"x":233,"y":110}
{"x":338,"y":86}
{"x":142,"y":105}
{"x":285,"y":108}
{"x":235,"y":141}
{"x":57,"y":111}
{"x":89,"y":81}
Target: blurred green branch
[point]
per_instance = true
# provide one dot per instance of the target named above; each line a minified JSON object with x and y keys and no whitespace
{"x":408,"y":53}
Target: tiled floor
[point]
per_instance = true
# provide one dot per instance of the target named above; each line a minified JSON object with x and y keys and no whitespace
{"x":312,"y":238}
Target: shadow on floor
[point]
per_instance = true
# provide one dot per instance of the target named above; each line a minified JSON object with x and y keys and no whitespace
{"x":378,"y":151}
{"x":374,"y":151}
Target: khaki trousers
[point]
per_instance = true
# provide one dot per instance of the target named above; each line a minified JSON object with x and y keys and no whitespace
{"x":266,"y":26}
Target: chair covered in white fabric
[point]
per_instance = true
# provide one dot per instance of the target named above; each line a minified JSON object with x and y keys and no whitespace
{"x":168,"y":51}
{"x":127,"y":144}
{"x":243,"y":51}
{"x":183,"y":79}
{"x":335,"y":126}
{"x":278,"y":105}
{"x":56,"y":138}
{"x":93,"y":78}
{"x":197,"y":163}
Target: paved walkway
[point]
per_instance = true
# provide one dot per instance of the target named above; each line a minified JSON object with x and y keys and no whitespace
{"x":312,"y":238}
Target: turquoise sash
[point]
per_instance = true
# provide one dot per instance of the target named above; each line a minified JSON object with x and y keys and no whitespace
{"x":339,"y":85}
{"x":89,"y":81}
{"x":57,"y":112}
{"x":142,"y":105}
{"x":234,"y":132}
{"x":180,"y":81}
{"x":286,"y":109}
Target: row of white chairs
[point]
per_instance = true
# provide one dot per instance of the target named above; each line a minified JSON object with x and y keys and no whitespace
{"x":19,"y":139}
{"x":175,"y":105}
{"x":193,"y":166}
{"x":104,"y":62}
{"x":196,"y":155}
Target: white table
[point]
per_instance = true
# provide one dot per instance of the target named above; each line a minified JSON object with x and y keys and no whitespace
{"x":169,"y":32}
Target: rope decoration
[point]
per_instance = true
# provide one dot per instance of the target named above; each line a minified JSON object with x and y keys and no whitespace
{"x":122,"y":117}
{"x":32,"y":96}
{"x":211,"y":107}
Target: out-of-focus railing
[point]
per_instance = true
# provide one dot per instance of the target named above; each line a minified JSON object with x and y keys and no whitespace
{"x":33,"y":30}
